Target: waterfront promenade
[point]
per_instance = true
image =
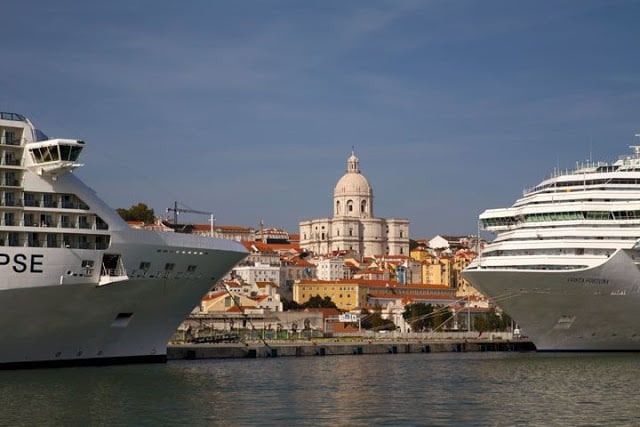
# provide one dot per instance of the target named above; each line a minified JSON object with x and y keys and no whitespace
{"x":328,"y":347}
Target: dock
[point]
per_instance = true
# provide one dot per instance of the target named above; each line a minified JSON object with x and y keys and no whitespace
{"x":338,"y":348}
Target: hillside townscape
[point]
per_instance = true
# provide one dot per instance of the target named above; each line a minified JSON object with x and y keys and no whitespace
{"x":338,"y":276}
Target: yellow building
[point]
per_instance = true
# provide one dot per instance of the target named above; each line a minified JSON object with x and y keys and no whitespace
{"x":349,"y":294}
{"x":464,"y":289}
{"x":437,"y":269}
{"x":346,"y":295}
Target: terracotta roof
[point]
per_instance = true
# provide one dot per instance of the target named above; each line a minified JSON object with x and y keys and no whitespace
{"x":257,"y":246}
{"x":265,"y":284}
{"x":213,"y":295}
{"x":390,"y":258}
{"x":301,"y":262}
{"x":413,"y":297}
{"x":372,"y":271}
{"x":233,"y":284}
{"x":381,"y":283}
{"x":282,"y":247}
{"x":325,"y":311}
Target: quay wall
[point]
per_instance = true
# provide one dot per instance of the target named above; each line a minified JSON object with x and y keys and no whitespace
{"x":329,"y":348}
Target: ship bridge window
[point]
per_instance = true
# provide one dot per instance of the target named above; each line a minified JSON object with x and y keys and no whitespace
{"x":57,"y":151}
{"x":70,"y":152}
{"x":45,"y":154}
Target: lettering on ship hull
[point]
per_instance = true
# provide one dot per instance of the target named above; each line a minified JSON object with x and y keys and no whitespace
{"x":23,"y":263}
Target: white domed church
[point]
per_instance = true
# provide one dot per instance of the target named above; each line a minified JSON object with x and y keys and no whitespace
{"x":353,"y":227}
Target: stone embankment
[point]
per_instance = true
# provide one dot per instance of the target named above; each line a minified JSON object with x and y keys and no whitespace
{"x":337,"y":347}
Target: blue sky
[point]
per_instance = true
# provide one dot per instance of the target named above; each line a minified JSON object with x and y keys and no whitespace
{"x":249,"y":109}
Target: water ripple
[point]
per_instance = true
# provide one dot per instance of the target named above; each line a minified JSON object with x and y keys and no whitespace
{"x":474,"y":389}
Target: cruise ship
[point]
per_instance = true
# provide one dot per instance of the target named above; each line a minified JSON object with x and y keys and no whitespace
{"x":565,"y":263}
{"x":77,"y":285}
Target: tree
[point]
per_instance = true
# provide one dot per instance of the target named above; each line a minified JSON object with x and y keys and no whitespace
{"x":289,"y":305}
{"x":442,"y":316}
{"x":492,"y":321}
{"x":418,"y":315}
{"x":375,"y":321}
{"x":319,"y":302}
{"x":139,"y":212}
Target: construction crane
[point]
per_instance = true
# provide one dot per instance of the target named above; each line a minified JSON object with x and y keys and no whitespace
{"x":176,"y":210}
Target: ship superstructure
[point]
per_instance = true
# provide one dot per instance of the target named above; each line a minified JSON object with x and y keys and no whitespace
{"x":77,"y":284}
{"x":563,"y":263}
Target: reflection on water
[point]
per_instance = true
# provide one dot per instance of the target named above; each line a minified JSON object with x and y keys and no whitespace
{"x":403,"y":389}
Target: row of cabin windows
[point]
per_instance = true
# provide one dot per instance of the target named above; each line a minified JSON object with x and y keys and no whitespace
{"x":580,"y":184}
{"x":49,"y":220}
{"x":54,"y":240}
{"x":562,"y":216}
{"x":65,"y":201}
{"x":549,"y":251}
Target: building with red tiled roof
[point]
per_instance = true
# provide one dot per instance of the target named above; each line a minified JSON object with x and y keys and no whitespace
{"x":229,"y":232}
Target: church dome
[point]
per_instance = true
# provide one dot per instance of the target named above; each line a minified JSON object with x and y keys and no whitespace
{"x":352,"y":184}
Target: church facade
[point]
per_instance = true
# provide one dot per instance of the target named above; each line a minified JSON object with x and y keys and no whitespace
{"x":353,"y":228}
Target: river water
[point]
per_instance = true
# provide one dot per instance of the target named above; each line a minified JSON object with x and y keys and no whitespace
{"x":437,"y":389}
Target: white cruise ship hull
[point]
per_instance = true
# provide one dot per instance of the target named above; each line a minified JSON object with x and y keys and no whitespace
{"x":78,"y":321}
{"x":593,"y":309}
